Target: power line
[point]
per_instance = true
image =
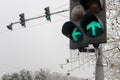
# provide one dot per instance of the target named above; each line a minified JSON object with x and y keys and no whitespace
{"x":60,"y":7}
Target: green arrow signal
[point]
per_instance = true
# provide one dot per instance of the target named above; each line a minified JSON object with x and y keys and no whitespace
{"x":47,"y":17}
{"x":75,"y":33}
{"x":93,"y":25}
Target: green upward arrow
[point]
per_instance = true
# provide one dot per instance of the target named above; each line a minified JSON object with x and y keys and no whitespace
{"x":75,"y":34}
{"x":92,"y":25}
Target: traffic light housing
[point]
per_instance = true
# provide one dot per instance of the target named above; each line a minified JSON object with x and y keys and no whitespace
{"x":89,"y":17}
{"x":92,"y":6}
{"x":47,"y":13}
{"x":71,"y":31}
{"x":22,"y":19}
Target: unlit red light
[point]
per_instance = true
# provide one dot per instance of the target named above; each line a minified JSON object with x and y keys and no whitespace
{"x":77,"y":12}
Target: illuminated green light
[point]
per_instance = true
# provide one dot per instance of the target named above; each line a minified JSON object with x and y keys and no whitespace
{"x":75,"y":33}
{"x":93,"y":25}
{"x":47,"y":17}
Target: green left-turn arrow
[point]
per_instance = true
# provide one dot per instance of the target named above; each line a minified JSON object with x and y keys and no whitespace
{"x":76,"y":35}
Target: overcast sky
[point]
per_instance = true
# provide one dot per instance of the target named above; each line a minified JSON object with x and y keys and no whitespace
{"x":39,"y":45}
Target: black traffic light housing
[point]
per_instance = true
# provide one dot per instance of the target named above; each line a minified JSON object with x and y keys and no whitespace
{"x":70,"y":30}
{"x":22,"y":19}
{"x":91,"y":23}
{"x":10,"y":26}
{"x":92,"y":6}
{"x":92,"y":26}
{"x":47,"y":13}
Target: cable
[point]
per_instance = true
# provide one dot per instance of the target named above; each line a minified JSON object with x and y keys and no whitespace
{"x":60,"y":7}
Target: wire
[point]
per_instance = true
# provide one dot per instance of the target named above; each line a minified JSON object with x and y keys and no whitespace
{"x":60,"y":7}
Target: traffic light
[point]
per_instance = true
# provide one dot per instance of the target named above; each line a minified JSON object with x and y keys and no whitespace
{"x":87,"y":23}
{"x":22,"y":19}
{"x":92,"y":26}
{"x":93,"y":22}
{"x":47,"y":13}
{"x":10,"y":27}
{"x":71,"y":31}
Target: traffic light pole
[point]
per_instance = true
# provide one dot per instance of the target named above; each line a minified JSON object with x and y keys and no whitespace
{"x":41,"y":16}
{"x":99,"y":65}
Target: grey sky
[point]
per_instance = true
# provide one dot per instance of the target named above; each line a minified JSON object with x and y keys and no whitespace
{"x":41,"y":44}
